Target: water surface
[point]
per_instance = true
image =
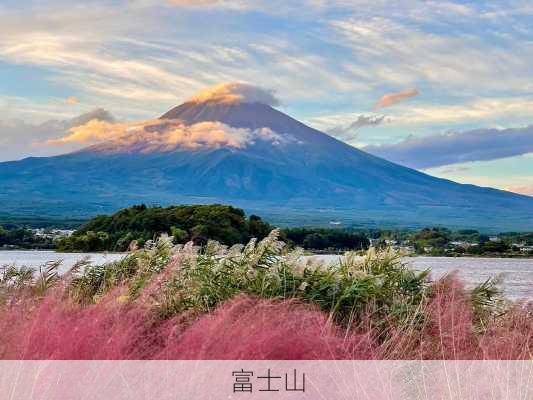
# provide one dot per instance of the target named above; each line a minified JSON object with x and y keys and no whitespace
{"x":517,"y":274}
{"x":33,"y":258}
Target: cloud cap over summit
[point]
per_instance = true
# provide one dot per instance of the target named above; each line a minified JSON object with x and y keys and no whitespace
{"x":236,"y":92}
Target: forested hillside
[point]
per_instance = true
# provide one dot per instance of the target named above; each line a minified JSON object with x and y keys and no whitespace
{"x":199,"y":223}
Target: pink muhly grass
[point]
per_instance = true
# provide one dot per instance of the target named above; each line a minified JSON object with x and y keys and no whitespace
{"x":511,"y":338}
{"x":450,"y":332}
{"x":58,"y":329}
{"x":258,"y":329}
{"x":245,"y":327}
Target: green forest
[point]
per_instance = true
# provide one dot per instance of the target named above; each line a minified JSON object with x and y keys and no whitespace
{"x":325,"y":239}
{"x":134,"y":226}
{"x":197,"y":223}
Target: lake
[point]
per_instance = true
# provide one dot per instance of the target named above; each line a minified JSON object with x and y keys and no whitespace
{"x":517,"y":273}
{"x":35,"y":259}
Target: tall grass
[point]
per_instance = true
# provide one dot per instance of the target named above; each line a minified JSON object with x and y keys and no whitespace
{"x":259,"y":301}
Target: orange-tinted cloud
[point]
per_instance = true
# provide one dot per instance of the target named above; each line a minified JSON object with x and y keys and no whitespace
{"x":71,"y":100}
{"x":235,"y":92}
{"x":163,"y":135}
{"x":392,"y":98}
{"x":91,"y":132}
{"x":527,"y":190}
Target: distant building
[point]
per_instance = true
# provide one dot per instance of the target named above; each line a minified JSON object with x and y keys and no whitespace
{"x":463,"y":244}
{"x":459,"y":243}
{"x":52,"y":233}
{"x":407,"y":249}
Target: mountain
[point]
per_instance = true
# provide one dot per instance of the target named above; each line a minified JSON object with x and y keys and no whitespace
{"x":253,"y":156}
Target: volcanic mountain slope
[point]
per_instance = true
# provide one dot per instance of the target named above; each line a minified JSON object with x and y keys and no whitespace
{"x":249,"y":154}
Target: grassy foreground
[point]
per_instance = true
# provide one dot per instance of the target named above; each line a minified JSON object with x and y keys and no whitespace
{"x":258,"y":301}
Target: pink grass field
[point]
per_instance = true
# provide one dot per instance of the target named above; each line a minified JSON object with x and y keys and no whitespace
{"x":252,"y":329}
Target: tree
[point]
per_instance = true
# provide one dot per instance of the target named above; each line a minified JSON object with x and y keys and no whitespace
{"x":199,"y":223}
{"x":315,"y":241}
{"x":495,"y":247}
{"x":3,"y":236}
{"x":179,"y":235}
{"x":321,"y":238}
{"x":431,"y":238}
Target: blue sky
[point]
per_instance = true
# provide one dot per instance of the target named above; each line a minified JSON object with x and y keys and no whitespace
{"x":330,"y":62}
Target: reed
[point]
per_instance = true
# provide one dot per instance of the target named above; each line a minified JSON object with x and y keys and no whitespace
{"x":259,"y":301}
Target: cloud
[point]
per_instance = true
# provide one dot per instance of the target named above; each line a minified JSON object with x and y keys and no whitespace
{"x":488,"y":109}
{"x":453,"y":148}
{"x":192,"y":2}
{"x":527,"y":190}
{"x":235,"y":92}
{"x":382,"y":43}
{"x":71,"y":100}
{"x":349,"y":131}
{"x":97,"y":114}
{"x":423,"y":117}
{"x":222,"y":4}
{"x":20,"y":138}
{"x":106,"y":58}
{"x":454,"y":169}
{"x":392,"y":98}
{"x":92,"y":131}
{"x":163,"y":135}
{"x":341,"y":55}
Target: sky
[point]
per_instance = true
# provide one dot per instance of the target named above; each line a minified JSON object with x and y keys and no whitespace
{"x":444,"y":87}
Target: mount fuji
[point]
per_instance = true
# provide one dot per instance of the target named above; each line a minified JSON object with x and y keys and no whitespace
{"x":234,"y":147}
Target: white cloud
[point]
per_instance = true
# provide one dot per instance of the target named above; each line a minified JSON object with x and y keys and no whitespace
{"x":390,"y":51}
{"x":217,"y":4}
{"x":484,"y":111}
{"x":340,"y":61}
{"x":348,"y":132}
{"x":104,"y":56}
{"x":477,"y":110}
{"x":193,"y":3}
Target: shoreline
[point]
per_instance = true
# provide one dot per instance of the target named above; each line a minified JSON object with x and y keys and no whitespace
{"x":413,"y":255}
{"x":306,"y":253}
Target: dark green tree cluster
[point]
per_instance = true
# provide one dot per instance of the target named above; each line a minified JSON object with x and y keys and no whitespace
{"x":326,"y":239}
{"x":199,"y":223}
{"x":517,"y":237}
{"x":436,"y":239}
